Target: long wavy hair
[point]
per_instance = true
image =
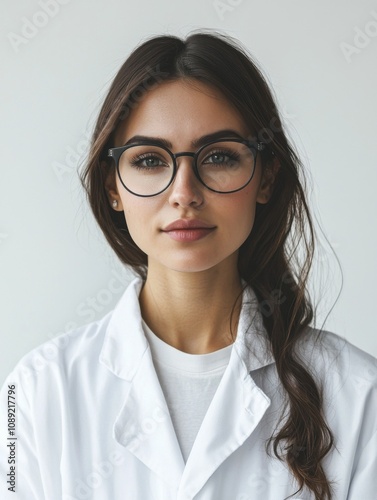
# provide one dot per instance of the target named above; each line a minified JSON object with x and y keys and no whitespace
{"x":275,"y":259}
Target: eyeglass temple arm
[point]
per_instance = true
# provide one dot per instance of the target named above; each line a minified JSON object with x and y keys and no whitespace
{"x":261,"y":146}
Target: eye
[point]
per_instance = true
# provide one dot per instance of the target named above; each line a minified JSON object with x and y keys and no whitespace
{"x":147,"y":161}
{"x":221,"y":157}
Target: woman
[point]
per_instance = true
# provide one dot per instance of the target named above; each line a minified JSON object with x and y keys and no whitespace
{"x":207,"y":381}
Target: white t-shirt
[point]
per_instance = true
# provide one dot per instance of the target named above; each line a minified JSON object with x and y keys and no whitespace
{"x":189,"y":382}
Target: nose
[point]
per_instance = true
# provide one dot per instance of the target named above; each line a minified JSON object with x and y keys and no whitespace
{"x":185,"y":189}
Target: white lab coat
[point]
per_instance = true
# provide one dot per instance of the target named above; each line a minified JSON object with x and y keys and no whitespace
{"x":93,"y":423}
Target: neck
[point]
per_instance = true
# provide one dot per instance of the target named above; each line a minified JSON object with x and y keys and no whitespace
{"x":191,"y":311}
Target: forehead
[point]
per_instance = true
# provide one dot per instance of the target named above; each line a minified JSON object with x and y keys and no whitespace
{"x":180,"y":111}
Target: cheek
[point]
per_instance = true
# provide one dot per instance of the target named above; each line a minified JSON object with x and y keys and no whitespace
{"x":242,"y":207}
{"x":138,"y":213}
{"x":248,"y":199}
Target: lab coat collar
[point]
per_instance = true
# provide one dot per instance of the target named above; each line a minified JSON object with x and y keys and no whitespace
{"x":125,"y":342}
{"x":144,"y":426}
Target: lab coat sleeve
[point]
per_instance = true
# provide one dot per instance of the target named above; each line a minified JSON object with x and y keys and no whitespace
{"x":28,"y":483}
{"x":364,"y":479}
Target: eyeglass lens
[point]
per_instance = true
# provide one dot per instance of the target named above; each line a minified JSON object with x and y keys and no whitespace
{"x":223,"y":166}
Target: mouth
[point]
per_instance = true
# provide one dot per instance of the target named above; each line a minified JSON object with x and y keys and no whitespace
{"x":189,"y":234}
{"x":188,"y":224}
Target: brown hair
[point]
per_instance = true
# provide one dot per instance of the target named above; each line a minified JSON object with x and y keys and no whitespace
{"x":268,"y":259}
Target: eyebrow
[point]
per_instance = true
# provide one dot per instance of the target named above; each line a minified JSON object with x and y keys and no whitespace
{"x":196,"y":143}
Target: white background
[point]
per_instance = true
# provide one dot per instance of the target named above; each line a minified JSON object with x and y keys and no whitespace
{"x":56,"y":269}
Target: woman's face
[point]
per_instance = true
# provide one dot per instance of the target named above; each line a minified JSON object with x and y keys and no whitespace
{"x":181,"y":112}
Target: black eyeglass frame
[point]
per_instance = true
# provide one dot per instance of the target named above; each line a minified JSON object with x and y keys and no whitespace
{"x":254,"y":146}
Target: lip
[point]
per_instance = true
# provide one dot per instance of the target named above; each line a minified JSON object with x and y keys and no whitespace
{"x":180,"y":224}
{"x":189,"y":234}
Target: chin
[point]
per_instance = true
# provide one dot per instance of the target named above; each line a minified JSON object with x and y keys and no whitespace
{"x":197,"y":266}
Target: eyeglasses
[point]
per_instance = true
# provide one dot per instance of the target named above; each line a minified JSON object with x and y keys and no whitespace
{"x":148,"y":169}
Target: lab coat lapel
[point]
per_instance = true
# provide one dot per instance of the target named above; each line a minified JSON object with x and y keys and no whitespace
{"x":238,"y":404}
{"x":144,"y":426}
{"x":236,"y":409}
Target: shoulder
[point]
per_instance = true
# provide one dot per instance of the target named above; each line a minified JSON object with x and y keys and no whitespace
{"x":78,"y":352}
{"x":63,"y":354}
{"x":333,"y":354}
{"x":346,"y":374}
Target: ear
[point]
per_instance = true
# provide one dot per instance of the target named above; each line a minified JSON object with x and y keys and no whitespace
{"x":112,"y":191}
{"x":267,"y":182}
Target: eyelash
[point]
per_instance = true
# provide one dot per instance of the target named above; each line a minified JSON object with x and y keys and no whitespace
{"x":232,"y":155}
{"x":139,"y":158}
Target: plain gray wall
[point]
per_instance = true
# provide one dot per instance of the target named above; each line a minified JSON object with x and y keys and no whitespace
{"x":58,"y":59}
